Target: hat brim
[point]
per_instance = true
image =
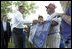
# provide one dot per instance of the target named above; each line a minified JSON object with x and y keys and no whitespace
{"x":46,"y":6}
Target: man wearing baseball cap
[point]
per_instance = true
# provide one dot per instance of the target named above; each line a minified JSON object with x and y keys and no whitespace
{"x":53,"y":39}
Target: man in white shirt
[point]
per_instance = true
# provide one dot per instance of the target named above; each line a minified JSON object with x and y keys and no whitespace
{"x":5,"y":32}
{"x":53,"y":39}
{"x":17,"y":27}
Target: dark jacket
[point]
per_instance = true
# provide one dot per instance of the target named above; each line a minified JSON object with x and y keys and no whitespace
{"x":8,"y":31}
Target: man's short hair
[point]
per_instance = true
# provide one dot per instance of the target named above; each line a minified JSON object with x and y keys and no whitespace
{"x":2,"y":16}
{"x":40,"y":16}
{"x":21,"y":6}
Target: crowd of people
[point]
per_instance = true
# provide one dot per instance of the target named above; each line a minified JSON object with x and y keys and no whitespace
{"x":59,"y":35}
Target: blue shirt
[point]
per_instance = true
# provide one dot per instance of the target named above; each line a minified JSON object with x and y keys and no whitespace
{"x":66,"y":28}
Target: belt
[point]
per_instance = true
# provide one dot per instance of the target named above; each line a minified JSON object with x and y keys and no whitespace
{"x":18,"y":28}
{"x":52,"y":33}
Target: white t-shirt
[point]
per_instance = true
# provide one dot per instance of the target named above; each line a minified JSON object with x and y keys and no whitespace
{"x":4,"y":25}
{"x":58,"y":20}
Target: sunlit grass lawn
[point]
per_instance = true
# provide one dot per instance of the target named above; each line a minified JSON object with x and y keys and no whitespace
{"x":11,"y":44}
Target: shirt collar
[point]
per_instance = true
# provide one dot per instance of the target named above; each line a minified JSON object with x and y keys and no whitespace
{"x":53,"y":14}
{"x":19,"y":12}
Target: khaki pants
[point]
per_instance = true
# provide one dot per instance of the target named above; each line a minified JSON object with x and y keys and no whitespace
{"x":53,"y":41}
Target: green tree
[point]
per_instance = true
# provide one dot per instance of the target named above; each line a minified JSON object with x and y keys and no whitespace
{"x":29,"y":6}
{"x":4,"y":7}
{"x":65,"y":4}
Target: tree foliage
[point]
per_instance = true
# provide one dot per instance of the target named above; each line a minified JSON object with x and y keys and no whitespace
{"x":65,"y":4}
{"x":29,"y":6}
{"x":4,"y":7}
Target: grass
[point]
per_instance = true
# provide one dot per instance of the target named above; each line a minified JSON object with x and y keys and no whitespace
{"x":11,"y":43}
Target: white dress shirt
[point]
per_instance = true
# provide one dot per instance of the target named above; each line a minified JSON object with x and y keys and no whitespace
{"x":18,"y":20}
{"x":58,"y":20}
{"x":4,"y":25}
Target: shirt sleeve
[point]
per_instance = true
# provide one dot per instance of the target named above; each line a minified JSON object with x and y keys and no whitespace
{"x":20,"y":19}
{"x":58,"y":20}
